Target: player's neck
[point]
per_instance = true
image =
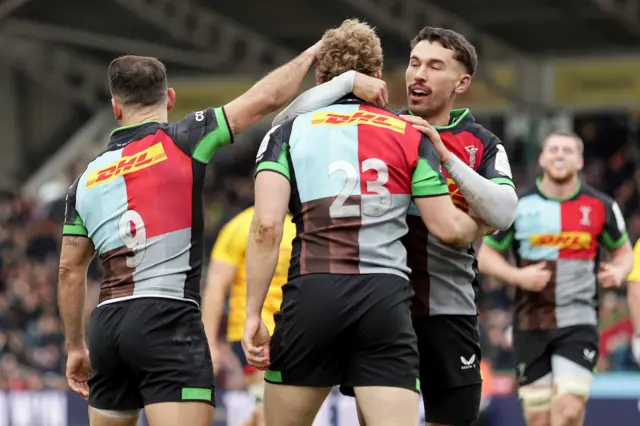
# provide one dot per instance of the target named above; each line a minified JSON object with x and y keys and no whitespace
{"x":144,"y":115}
{"x":559,"y":190}
{"x":440,"y":119}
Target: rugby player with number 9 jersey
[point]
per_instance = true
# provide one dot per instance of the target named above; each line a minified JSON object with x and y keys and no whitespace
{"x":138,"y":205}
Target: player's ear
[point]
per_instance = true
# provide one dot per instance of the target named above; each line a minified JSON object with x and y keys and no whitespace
{"x":117,"y":110}
{"x":171,"y":98}
{"x":464,"y":81}
{"x":580,"y":163}
{"x":378,"y":75}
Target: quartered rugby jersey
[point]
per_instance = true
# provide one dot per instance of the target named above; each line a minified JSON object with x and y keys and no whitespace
{"x":140,"y":203}
{"x":444,"y":277}
{"x":567,"y":234}
{"x":231,"y":248}
{"x":353,"y":169}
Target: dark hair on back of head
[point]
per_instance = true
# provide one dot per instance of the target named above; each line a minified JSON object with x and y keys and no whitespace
{"x":138,"y":80}
{"x":463,"y":50}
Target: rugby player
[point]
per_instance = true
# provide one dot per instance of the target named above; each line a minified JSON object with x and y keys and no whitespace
{"x":633,"y":300}
{"x":139,"y":206}
{"x":348,"y":172}
{"x":444,"y":277}
{"x":561,"y":224}
{"x":227,"y":272}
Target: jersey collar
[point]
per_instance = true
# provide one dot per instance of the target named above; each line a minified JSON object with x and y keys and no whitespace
{"x":573,"y":195}
{"x":123,"y":135}
{"x":456,"y":118}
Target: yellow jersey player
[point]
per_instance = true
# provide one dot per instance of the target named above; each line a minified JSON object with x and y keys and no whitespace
{"x":227,"y":275}
{"x":633,"y":299}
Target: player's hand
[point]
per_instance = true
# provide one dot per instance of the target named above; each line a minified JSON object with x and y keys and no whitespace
{"x":610,"y":275}
{"x":423,"y":126}
{"x":371,"y":89}
{"x":635,"y":347}
{"x":78,"y":370}
{"x":315,"y":49}
{"x":255,"y":342}
{"x":534,"y":277}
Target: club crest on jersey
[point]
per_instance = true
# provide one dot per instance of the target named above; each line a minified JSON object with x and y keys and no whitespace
{"x":472,"y":150}
{"x":585,"y":213}
{"x":358,"y":117}
{"x":125,"y":165}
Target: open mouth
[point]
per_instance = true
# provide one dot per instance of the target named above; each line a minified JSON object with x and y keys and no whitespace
{"x":417,"y":92}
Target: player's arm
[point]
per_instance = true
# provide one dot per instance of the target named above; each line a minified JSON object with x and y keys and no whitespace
{"x":368,"y":88}
{"x":226,"y":257}
{"x":272,"y":192}
{"x":431,"y":195}
{"x":75,"y":257}
{"x":491,"y":257}
{"x":490,"y":192}
{"x":615,"y":240}
{"x":270,"y":93}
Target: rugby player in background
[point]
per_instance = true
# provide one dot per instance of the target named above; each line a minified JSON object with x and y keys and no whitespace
{"x":227,"y":275}
{"x":633,"y":300}
{"x":561,"y":224}
{"x":348,"y":172}
{"x":444,"y":277}
{"x":138,"y":205}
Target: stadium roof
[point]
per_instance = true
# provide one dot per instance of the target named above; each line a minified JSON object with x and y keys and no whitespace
{"x":188,"y":33}
{"x":66,"y":47}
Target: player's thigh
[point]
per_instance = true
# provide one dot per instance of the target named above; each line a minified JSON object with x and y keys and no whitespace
{"x":113,"y":387}
{"x":179,"y":413}
{"x":99,"y":417}
{"x":450,"y":352}
{"x":533,"y":352}
{"x":166,"y":345}
{"x":306,"y":346}
{"x":382,"y":346}
{"x":458,"y":406}
{"x":292,"y":405}
{"x":384,"y":405}
{"x":575,"y":355}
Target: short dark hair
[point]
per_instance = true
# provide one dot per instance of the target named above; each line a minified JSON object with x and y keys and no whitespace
{"x":138,"y":80}
{"x":464,"y":51}
{"x":565,"y":134}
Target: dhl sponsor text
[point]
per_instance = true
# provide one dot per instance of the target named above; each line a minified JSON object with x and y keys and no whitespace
{"x":563,"y":240}
{"x":358,"y":117}
{"x":141,"y":160}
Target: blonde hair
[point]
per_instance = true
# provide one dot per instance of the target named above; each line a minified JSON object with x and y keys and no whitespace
{"x":354,"y":45}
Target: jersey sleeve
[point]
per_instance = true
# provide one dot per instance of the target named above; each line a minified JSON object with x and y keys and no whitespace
{"x":614,"y":234}
{"x":500,"y":240}
{"x":272,"y":154}
{"x":231,"y":244}
{"x":634,"y":275}
{"x":494,"y":164}
{"x":428,"y":180}
{"x":200,"y":134}
{"x":73,"y":224}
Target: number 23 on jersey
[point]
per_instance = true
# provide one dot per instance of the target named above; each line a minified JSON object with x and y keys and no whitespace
{"x":371,"y":205}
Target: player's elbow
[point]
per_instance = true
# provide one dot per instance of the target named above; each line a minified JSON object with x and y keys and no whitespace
{"x":502,"y":210}
{"x":266,"y":232}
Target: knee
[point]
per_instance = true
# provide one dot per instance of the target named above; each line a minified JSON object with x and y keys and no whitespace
{"x":536,"y":399}
{"x":569,"y":407}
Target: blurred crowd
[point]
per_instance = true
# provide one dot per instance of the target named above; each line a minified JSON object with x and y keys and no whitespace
{"x":31,"y":338}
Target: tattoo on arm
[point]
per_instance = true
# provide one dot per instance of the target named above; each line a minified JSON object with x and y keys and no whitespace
{"x":72,"y":241}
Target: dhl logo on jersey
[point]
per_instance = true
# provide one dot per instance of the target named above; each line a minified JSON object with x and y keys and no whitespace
{"x":563,"y":240}
{"x":358,"y":117}
{"x":456,"y":196}
{"x":126,"y":165}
